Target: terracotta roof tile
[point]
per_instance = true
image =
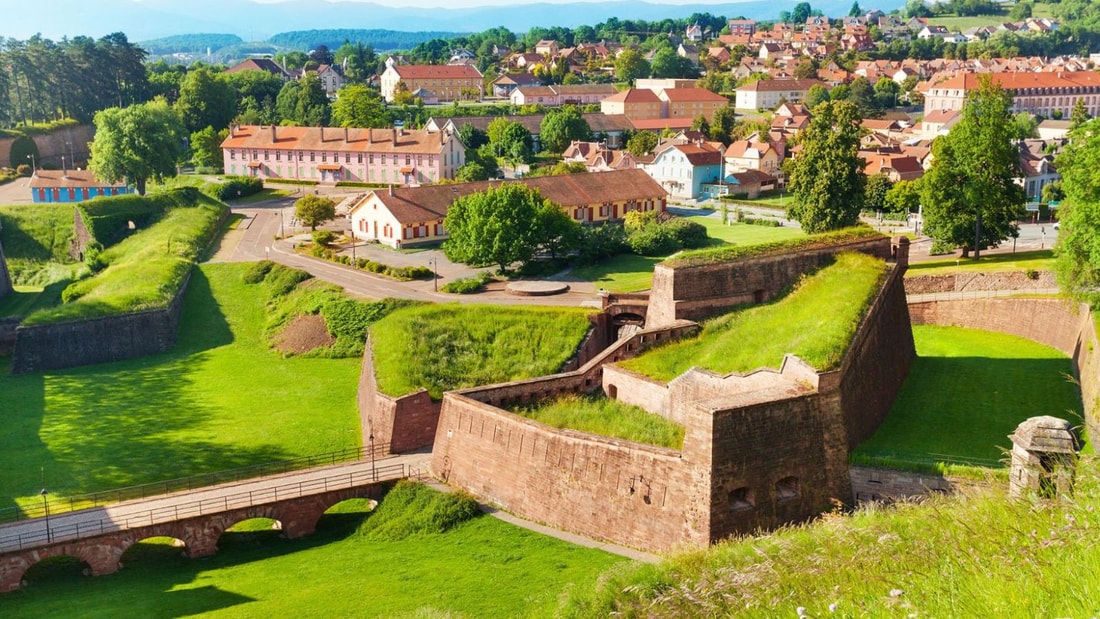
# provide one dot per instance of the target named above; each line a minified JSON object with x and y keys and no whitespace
{"x":436,"y":71}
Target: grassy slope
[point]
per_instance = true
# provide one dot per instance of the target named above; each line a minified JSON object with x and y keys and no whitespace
{"x":481,"y":568}
{"x":442,"y":347}
{"x":1039,"y":260}
{"x":940,"y":412}
{"x":631,"y":273}
{"x":36,"y":242}
{"x":607,"y":417}
{"x":219,"y":399}
{"x":976,"y":556}
{"x":815,"y":322}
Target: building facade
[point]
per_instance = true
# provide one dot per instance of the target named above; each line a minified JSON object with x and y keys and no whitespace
{"x":409,"y":216}
{"x":767,"y":94}
{"x":683,"y":169}
{"x":1040,"y":93}
{"x":72,"y":186}
{"x":330,"y":154}
{"x":445,"y":82}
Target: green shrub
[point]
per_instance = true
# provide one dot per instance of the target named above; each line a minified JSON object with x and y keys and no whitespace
{"x":689,"y":234}
{"x":282,"y":279}
{"x":323,"y":237}
{"x":93,"y":257}
{"x":468,"y":285}
{"x":600,"y":242}
{"x":413,"y":509}
{"x":257,"y":271}
{"x":233,"y":187}
{"x":292,"y":181}
{"x":761,"y":221}
{"x":653,"y":240}
{"x":24,"y":169}
{"x":361,"y":184}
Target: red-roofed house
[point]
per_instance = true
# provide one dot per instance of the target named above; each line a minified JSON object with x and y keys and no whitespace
{"x":691,"y":102}
{"x":260,"y":64}
{"x":407,"y":216}
{"x":766,"y":94}
{"x":683,"y":169}
{"x":72,"y":186}
{"x":1039,"y":93}
{"x":635,"y":104}
{"x":331,"y":154}
{"x":895,"y":166}
{"x":445,"y":82}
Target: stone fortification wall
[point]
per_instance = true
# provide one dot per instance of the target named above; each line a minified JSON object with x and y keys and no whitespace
{"x":631,"y":494}
{"x":97,"y":340}
{"x":980,"y":282}
{"x":877,"y":361}
{"x":1061,"y":324}
{"x":404,"y":423}
{"x":874,"y":484}
{"x":68,"y":142}
{"x":699,"y":292}
{"x":5,"y":277}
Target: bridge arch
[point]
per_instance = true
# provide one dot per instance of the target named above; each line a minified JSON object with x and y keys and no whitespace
{"x":151,"y":547}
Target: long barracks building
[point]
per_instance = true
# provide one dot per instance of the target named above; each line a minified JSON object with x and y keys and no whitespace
{"x":1037,"y":93}
{"x":331,"y":154}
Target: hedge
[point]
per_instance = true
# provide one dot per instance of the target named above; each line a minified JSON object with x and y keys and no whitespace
{"x":233,"y":187}
{"x":108,"y":218}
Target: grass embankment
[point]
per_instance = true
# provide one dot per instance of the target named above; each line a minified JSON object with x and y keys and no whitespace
{"x":444,"y":347}
{"x":816,"y":322}
{"x":392,"y":562}
{"x":979,"y":555}
{"x":143,"y":271}
{"x":1038,"y":260}
{"x":36,"y":243}
{"x":966,"y":392}
{"x":698,"y":257}
{"x":220,"y":399}
{"x":631,"y":273}
{"x":606,"y":417}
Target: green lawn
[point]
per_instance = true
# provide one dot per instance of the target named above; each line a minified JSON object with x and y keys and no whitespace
{"x":220,"y":399}
{"x":1038,"y":260}
{"x":767,"y":199}
{"x":443,"y":347}
{"x":631,"y":273}
{"x":606,"y":417}
{"x":480,"y":568}
{"x":816,"y":322}
{"x":262,"y":196}
{"x":967,"y":391}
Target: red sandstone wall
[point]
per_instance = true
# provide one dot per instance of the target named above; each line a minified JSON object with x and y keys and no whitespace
{"x":5,"y":278}
{"x":631,"y":494}
{"x":877,"y":361}
{"x":698,"y":292}
{"x":1058,"y":323}
{"x":873,"y":484}
{"x":405,"y":423}
{"x":974,"y":282}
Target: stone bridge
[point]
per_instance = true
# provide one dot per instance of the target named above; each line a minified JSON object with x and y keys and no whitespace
{"x":99,"y":536}
{"x":626,"y":308}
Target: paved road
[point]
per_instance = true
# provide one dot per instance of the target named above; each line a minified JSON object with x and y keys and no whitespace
{"x":215,"y":499}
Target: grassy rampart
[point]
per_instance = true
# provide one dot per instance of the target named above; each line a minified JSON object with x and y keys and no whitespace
{"x":36,"y":242}
{"x":606,"y":417}
{"x":699,"y":257}
{"x":816,"y":322}
{"x":444,"y":347}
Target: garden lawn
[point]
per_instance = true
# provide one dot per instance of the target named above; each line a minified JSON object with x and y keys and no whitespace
{"x":220,"y":399}
{"x":1038,"y":260}
{"x":816,"y":322}
{"x":444,"y":347}
{"x":480,"y":568}
{"x":631,"y":273}
{"x":607,"y":417}
{"x":967,"y":391}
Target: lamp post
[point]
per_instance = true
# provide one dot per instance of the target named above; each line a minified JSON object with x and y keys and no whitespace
{"x":282,"y":216}
{"x":34,"y":166}
{"x":373,"y":472}
{"x":46,"y":508}
{"x":435,"y":264}
{"x":72,"y":157}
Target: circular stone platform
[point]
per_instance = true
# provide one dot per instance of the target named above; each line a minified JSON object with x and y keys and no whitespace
{"x":536,"y":289}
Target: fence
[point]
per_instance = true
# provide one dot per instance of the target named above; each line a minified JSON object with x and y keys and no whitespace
{"x":214,"y":505}
{"x":183,"y":484}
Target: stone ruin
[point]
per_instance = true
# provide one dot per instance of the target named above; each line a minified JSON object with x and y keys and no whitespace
{"x":1044,"y":456}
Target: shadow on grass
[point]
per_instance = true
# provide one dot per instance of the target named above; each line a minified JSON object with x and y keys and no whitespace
{"x":108,"y":423}
{"x":964,"y":408}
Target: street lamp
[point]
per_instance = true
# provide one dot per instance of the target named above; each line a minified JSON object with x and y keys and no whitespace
{"x":72,"y":157}
{"x":373,"y":472}
{"x":46,"y":507}
{"x":34,"y":166}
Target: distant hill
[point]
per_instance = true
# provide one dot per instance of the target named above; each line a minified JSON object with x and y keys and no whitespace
{"x":255,"y":21}
{"x":190,"y":43}
{"x":305,"y":40}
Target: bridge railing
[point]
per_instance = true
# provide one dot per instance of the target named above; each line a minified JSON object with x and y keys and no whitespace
{"x":54,"y":532}
{"x":61,"y":505}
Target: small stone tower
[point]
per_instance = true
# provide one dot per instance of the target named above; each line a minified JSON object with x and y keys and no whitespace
{"x":1044,"y":451}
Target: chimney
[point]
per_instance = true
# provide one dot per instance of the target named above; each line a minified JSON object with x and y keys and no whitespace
{"x":370,"y":136}
{"x":346,"y":135}
{"x":273,"y":138}
{"x":391,"y":189}
{"x":395,"y":136}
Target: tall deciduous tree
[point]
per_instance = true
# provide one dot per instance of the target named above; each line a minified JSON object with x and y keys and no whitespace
{"x":561,"y":126}
{"x":206,"y":147}
{"x":314,"y":210}
{"x":826,"y":179}
{"x":359,"y":106}
{"x":502,"y":225}
{"x":642,"y":143}
{"x":722,"y":124}
{"x":970,"y":196}
{"x":137,"y":143}
{"x":1078,"y":245}
{"x":630,"y":65}
{"x":206,"y":100}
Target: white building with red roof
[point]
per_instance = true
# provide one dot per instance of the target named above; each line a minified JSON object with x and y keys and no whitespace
{"x":446,"y":82}
{"x":333,"y":154}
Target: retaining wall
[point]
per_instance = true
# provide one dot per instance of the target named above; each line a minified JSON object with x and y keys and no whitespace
{"x":875,"y":484}
{"x":699,"y":292}
{"x":7,"y":334}
{"x":980,"y":282}
{"x":97,"y":340}
{"x":1058,"y":323}
{"x":53,"y":146}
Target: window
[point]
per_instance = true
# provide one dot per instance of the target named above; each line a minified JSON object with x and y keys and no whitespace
{"x":278,"y":155}
{"x":787,"y":488}
{"x":232,"y":154}
{"x":741,"y":499}
{"x":408,"y":159}
{"x":324,"y":157}
{"x":347,"y":158}
{"x":312,"y":156}
{"x":370,"y":158}
{"x":383,"y":158}
{"x":360,"y":157}
{"x":266,"y":156}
